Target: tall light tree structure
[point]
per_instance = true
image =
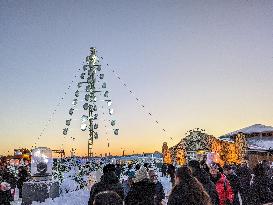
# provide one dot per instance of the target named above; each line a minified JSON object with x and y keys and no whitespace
{"x":92,"y":82}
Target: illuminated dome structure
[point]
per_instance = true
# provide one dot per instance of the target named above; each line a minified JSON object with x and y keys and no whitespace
{"x":41,"y":162}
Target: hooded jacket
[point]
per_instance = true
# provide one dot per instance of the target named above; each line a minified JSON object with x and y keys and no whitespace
{"x":184,"y":194}
{"x":109,"y":182}
{"x":141,"y":193}
{"x":209,"y":186}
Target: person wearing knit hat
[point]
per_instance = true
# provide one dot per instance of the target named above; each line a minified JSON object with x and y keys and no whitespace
{"x":142,"y":191}
{"x":141,"y":174}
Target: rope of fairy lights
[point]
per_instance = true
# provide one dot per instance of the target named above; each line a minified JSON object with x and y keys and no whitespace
{"x":105,"y":127}
{"x":56,"y":108}
{"x":138,"y":101}
{"x":105,"y":119}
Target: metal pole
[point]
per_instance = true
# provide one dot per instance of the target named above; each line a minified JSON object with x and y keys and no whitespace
{"x":92,"y":93}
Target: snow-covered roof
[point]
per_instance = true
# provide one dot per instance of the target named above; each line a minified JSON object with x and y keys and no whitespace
{"x":227,"y":140}
{"x":261,"y":143}
{"x":255,"y":147}
{"x":257,"y":128}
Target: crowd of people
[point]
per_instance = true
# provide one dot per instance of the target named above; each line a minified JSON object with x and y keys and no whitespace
{"x":9,"y":181}
{"x":196,"y":183}
{"x":193,"y":184}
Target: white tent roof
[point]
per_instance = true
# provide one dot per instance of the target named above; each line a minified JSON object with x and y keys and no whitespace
{"x":257,"y":128}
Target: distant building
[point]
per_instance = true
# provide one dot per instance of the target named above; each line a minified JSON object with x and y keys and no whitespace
{"x":258,"y":136}
{"x":197,"y":145}
{"x":260,"y":142}
{"x":253,"y":143}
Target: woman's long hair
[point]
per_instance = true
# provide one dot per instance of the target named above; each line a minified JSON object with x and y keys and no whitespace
{"x":190,"y":188}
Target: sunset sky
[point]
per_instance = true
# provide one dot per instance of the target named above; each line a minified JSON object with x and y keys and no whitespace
{"x":206,"y":64}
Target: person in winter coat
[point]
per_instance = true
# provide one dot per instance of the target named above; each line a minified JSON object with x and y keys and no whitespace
{"x":107,"y":198}
{"x":203,"y":164}
{"x":22,"y":177}
{"x":5,"y":195}
{"x":187,"y":190}
{"x":8,"y":177}
{"x":222,"y":184}
{"x":164,"y":169}
{"x":137,"y":167}
{"x":234,"y":183}
{"x":260,"y":192}
{"x":128,"y":183}
{"x":244,"y":174}
{"x":118,"y":170}
{"x":204,"y":177}
{"x":130,"y":172}
{"x":5,"y":187}
{"x":109,"y":182}
{"x":159,"y":191}
{"x":143,"y":190}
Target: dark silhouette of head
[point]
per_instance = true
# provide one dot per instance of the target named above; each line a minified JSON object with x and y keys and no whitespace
{"x":194,"y":165}
{"x":183,"y":174}
{"x":130,"y":166}
{"x":137,"y":166}
{"x":109,"y":168}
{"x":107,"y":198}
{"x":259,"y":170}
{"x":189,"y":188}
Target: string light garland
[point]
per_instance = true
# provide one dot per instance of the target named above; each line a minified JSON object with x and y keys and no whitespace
{"x":138,"y":101}
{"x":55,"y":109}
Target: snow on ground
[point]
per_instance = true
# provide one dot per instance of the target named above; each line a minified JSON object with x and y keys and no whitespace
{"x":82,"y":196}
{"x":165,"y":181}
{"x":69,"y":186}
{"x":71,"y":198}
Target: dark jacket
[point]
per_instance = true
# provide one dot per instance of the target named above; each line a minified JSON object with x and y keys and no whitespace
{"x":184,"y":195}
{"x":260,"y":192}
{"x":204,"y":178}
{"x":141,"y":193}
{"x":22,"y":177}
{"x":159,"y":193}
{"x":9,"y":178}
{"x":5,"y":197}
{"x":109,"y":182}
{"x":235,"y":185}
{"x":118,"y":171}
{"x":244,"y":174}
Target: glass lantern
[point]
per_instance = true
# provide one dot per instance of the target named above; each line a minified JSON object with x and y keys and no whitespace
{"x":41,"y":162}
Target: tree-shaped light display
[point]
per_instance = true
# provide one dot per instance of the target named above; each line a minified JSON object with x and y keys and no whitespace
{"x":91,"y":85}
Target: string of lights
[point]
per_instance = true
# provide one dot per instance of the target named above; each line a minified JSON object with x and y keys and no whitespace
{"x":137,"y":99}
